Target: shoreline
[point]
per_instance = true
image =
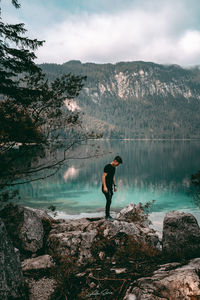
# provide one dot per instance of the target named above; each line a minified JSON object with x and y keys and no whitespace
{"x":17,"y":145}
{"x":142,"y":139}
{"x":156,"y":222}
{"x":156,"y":217}
{"x":148,"y":139}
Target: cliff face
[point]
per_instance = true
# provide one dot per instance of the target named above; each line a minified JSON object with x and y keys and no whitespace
{"x":141,"y":80}
{"x":137,"y":99}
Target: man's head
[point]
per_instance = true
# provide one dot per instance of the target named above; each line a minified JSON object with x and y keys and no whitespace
{"x":117,"y":160}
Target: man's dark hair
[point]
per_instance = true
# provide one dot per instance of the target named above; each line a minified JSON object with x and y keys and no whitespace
{"x":118,"y":159}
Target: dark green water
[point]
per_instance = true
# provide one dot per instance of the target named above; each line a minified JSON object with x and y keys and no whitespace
{"x":151,"y":170}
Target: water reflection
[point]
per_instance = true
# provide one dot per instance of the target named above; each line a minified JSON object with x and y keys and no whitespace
{"x":157,"y":170}
{"x":71,"y":173}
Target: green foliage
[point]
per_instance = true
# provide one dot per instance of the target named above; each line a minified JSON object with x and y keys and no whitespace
{"x":32,"y":111}
{"x":146,"y":207}
{"x":16,"y":3}
{"x":16,"y":52}
{"x":9,"y":195}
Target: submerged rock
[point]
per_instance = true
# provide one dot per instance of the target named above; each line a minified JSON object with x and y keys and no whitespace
{"x":181,"y":235}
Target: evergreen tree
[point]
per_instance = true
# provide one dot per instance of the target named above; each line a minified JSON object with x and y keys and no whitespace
{"x":32,"y":108}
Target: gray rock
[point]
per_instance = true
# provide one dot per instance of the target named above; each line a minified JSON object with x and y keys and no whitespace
{"x":11,"y":276}
{"x":76,"y":243}
{"x":46,"y":219}
{"x":112,"y":228}
{"x":140,"y":233}
{"x":119,"y":271}
{"x":76,"y":237}
{"x":102,"y":255}
{"x":38,"y":263}
{"x":24,"y":227}
{"x":134,"y":214}
{"x":181,"y":235}
{"x":31,"y":232}
{"x":42,"y":214}
{"x":171,"y":281}
{"x":42,"y":289}
{"x":72,"y":238}
{"x":17,"y":253}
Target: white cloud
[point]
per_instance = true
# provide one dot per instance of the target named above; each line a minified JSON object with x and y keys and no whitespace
{"x":163,"y":32}
{"x":126,"y":36}
{"x":190,"y":43}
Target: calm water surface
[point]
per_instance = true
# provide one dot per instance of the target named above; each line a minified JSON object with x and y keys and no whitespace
{"x":151,"y":170}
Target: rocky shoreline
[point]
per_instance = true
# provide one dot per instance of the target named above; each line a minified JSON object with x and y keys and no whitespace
{"x":92,"y":258}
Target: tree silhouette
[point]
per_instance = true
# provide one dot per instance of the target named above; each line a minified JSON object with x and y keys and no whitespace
{"x":34,"y":122}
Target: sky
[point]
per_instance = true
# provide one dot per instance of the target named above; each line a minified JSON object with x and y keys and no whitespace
{"x":110,"y":31}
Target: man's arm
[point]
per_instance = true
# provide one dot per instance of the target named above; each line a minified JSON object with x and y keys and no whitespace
{"x":104,"y":182}
{"x":115,"y":187}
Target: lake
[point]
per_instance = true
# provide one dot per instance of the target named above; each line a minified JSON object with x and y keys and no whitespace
{"x":157,"y":170}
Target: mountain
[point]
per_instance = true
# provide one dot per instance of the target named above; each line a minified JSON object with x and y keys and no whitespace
{"x":137,"y":99}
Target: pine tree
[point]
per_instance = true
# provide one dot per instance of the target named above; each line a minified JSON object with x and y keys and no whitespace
{"x":32,"y":108}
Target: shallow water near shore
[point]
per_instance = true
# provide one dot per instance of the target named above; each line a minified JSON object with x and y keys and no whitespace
{"x":157,"y":170}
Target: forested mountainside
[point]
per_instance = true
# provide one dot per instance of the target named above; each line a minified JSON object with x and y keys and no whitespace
{"x":137,"y":99}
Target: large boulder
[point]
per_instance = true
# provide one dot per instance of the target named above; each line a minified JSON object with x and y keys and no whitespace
{"x":181,"y":235}
{"x":11,"y":276}
{"x":42,"y":214}
{"x":24,"y":227}
{"x":71,"y":239}
{"x":80,"y":238}
{"x":46,"y":219}
{"x":140,"y":233}
{"x":170,"y":281}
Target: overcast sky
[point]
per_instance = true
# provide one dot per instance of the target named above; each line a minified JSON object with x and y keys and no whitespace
{"x":102,"y":31}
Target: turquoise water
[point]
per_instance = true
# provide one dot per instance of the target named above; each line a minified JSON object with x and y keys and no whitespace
{"x":151,"y":170}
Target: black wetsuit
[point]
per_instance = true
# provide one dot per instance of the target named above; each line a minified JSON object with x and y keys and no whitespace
{"x":110,"y":170}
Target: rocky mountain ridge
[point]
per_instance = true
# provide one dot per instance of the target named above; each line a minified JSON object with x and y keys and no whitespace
{"x":137,"y":99}
{"x":142,"y":83}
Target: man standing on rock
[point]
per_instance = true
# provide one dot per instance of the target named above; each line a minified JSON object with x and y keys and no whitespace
{"x":108,"y":180}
